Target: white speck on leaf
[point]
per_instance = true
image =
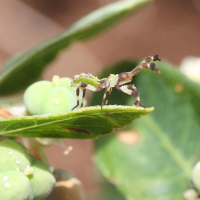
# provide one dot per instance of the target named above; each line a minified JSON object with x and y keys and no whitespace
{"x":56,"y":101}
{"x":18,"y":162}
{"x":5,"y":178}
{"x":7,"y":185}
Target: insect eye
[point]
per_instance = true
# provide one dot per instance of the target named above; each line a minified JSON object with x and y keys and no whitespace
{"x":124,"y":76}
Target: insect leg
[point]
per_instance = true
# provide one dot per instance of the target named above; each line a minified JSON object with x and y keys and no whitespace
{"x":131,"y":90}
{"x":104,"y":98}
{"x":107,"y":89}
{"x":84,"y":91}
{"x":77,"y":95}
{"x":80,"y":85}
{"x":109,"y":93}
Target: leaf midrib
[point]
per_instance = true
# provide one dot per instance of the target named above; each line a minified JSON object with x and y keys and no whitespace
{"x":61,"y":120}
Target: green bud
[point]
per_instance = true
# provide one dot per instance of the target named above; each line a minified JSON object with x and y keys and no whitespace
{"x":34,"y":93}
{"x":66,"y":82}
{"x":58,"y":100}
{"x":21,"y":175}
{"x":15,"y":186}
{"x":14,"y":156}
{"x":42,"y":181}
{"x":45,"y":97}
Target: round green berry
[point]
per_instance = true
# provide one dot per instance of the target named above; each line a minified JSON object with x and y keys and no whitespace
{"x":58,"y":100}
{"x":24,"y":176}
{"x":45,"y":97}
{"x":15,"y":186}
{"x":34,"y":93}
{"x":42,"y":181}
{"x":14,"y":156}
{"x":66,"y":82}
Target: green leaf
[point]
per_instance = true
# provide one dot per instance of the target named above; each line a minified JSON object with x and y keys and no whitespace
{"x":107,"y":191}
{"x":84,"y":123}
{"x":23,"y":69}
{"x":158,"y":163}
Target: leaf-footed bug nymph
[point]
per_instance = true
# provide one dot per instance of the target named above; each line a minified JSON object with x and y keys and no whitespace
{"x":90,"y":82}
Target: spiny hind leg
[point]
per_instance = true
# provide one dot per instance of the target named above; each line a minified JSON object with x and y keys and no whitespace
{"x":131,"y":90}
{"x":134,"y":92}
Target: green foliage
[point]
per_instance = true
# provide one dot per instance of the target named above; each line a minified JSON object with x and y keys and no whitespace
{"x":84,"y":123}
{"x":21,"y":176}
{"x":22,"y":70}
{"x":158,"y":164}
{"x":107,"y":192}
{"x":153,"y":161}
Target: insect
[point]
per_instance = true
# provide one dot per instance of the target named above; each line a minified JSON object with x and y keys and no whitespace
{"x":90,"y":82}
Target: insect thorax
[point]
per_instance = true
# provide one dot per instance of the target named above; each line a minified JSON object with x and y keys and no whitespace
{"x":85,"y":78}
{"x":112,"y":79}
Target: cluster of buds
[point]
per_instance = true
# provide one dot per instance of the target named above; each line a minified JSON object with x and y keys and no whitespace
{"x":21,"y":175}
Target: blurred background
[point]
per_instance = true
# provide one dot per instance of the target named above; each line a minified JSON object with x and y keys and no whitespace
{"x":170,"y":28}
